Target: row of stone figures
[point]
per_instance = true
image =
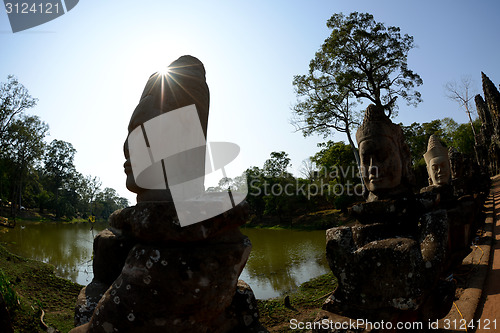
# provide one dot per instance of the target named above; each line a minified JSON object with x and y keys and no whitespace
{"x":395,"y":262}
{"x":488,"y":138}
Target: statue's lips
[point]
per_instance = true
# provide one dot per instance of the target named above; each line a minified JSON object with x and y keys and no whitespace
{"x":127,"y":166}
{"x":440,"y":178}
{"x":374,"y":179}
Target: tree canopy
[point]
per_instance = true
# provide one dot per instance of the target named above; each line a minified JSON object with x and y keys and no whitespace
{"x":277,"y":164}
{"x":368,"y":60}
{"x":360,"y":60}
{"x":36,"y":174}
{"x":14,"y":99}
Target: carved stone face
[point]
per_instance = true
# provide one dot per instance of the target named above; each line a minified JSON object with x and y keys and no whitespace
{"x":439,"y":170}
{"x":142,"y":113}
{"x":381,"y":164}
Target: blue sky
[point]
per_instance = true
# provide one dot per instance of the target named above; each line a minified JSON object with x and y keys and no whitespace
{"x":88,"y":68}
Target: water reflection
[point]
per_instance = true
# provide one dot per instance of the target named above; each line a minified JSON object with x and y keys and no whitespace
{"x":279,"y":262}
{"x":66,"y":246}
{"x":283,"y":259}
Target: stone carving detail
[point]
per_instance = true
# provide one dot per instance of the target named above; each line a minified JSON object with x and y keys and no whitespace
{"x":385,"y":157}
{"x":151,"y":274}
{"x":389,"y":262}
{"x":488,"y":140}
{"x":438,"y":162}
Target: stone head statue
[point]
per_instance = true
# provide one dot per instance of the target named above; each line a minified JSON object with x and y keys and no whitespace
{"x":438,"y":162}
{"x":183,"y":85}
{"x":385,"y":157}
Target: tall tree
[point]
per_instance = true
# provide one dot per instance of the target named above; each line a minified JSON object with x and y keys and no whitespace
{"x":361,"y":59}
{"x":59,"y":167}
{"x":277,"y":165}
{"x":14,"y":99}
{"x":88,"y":188}
{"x":107,"y":201}
{"x":59,"y":161}
{"x":334,"y":161}
{"x":463,"y":94}
{"x":24,"y":148}
{"x":308,"y":169}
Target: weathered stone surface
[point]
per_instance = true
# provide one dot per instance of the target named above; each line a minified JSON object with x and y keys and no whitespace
{"x":242,"y":316}
{"x":385,"y":157}
{"x":388,"y":211}
{"x":488,"y":140}
{"x":157,"y":221}
{"x":106,"y":242}
{"x":182,"y":289}
{"x":441,"y":196}
{"x":389,"y":263}
{"x":492,"y":97}
{"x":378,"y":267}
{"x":87,"y":301}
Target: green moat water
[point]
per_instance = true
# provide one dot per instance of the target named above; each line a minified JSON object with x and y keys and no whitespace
{"x":279,"y":262}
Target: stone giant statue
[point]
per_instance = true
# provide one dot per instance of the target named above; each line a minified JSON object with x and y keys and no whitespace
{"x":151,"y":273}
{"x":438,"y":162}
{"x":388,"y":262}
{"x":183,"y":85}
{"x":385,"y":157}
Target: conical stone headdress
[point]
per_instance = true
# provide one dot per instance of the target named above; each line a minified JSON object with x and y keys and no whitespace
{"x":376,"y":124}
{"x":434,"y":149}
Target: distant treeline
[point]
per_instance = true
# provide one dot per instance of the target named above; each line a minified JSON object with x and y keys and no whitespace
{"x":37,"y":174}
{"x":329,"y":179}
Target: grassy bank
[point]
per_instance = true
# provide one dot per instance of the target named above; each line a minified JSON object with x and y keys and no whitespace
{"x":304,"y":304}
{"x":38,"y":289}
{"x":33,"y":215}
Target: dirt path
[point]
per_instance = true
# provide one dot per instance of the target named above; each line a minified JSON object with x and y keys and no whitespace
{"x":490,"y":312}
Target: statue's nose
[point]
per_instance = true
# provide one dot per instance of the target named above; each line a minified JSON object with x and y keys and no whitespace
{"x":373,"y":166}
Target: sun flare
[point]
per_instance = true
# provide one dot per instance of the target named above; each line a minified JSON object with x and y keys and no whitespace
{"x":164,"y":71}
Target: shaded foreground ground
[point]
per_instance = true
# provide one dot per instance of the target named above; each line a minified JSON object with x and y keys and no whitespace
{"x":40,"y":292}
{"x":468,"y":313}
{"x":304,"y":305}
{"x":490,"y":308}
{"x":39,"y":289}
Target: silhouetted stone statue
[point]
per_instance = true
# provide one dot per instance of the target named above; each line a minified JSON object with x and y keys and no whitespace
{"x":388,"y":262}
{"x":150,"y":273}
{"x":488,"y":140}
{"x":183,"y":85}
{"x":451,"y":189}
